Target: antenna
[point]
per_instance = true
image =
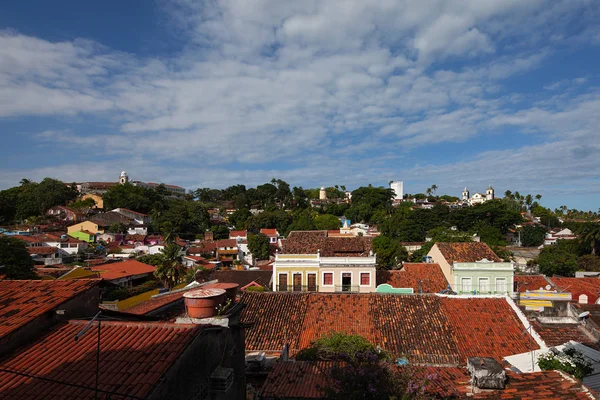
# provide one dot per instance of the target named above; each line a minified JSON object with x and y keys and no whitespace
{"x":81,"y":333}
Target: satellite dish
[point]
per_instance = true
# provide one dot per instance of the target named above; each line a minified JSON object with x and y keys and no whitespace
{"x":584,"y":314}
{"x":548,"y":287}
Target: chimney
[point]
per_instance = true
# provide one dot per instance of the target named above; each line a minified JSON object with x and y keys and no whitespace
{"x":486,"y":373}
{"x":208,"y":235}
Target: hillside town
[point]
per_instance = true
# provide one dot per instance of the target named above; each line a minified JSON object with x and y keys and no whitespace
{"x":133,"y":290}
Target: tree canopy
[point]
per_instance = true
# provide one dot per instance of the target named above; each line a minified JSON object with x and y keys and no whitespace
{"x":15,"y":261}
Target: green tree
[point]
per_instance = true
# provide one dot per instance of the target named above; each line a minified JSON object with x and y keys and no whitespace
{"x":15,"y":261}
{"x":589,"y":262}
{"x":591,"y":238}
{"x":171,"y":270}
{"x":327,"y":222}
{"x":259,"y":246}
{"x":132,"y":197}
{"x":220,"y":232}
{"x":533,"y":235}
{"x":390,"y":252}
{"x":118,"y":227}
{"x":338,"y":346}
{"x":239,"y":218}
{"x":303,"y":220}
{"x":558,"y":259}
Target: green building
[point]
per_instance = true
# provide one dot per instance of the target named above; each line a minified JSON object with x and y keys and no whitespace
{"x":483,"y":277}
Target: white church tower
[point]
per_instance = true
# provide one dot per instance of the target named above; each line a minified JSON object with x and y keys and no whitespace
{"x":489,"y":193}
{"x":465,"y":195}
{"x":322,"y":193}
{"x":123,"y":178}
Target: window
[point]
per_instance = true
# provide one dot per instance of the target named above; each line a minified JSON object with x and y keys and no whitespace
{"x":501,"y":285}
{"x":312,"y":282}
{"x":346,"y":281}
{"x":484,"y":285}
{"x":297,"y":280}
{"x":365,"y":279}
{"x":283,"y":282}
{"x":465,"y":284}
{"x":583,"y":299}
{"x":328,"y":278}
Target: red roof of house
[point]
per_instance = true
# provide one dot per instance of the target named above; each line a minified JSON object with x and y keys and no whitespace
{"x":298,"y":380}
{"x":135,"y":238}
{"x":308,"y":380}
{"x":234,"y":234}
{"x":578,"y":286}
{"x":134,"y":356}
{"x":486,"y":327}
{"x":133,"y":212}
{"x":558,"y":334}
{"x":426,"y":329}
{"x":123,"y":269}
{"x":42,"y":250}
{"x":530,"y":282}
{"x":269,"y":232}
{"x":309,"y":242}
{"x":23,"y":301}
{"x":203,"y":247}
{"x":467,"y":252}
{"x":421,"y":277}
{"x":30,"y":239}
{"x":226,"y":243}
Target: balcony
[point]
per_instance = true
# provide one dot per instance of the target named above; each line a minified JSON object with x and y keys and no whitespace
{"x":347,"y":288}
{"x":297,"y":288}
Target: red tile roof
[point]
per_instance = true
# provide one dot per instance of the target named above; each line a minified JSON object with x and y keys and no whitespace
{"x":557,"y":334}
{"x":269,"y":232}
{"x":226,"y":243}
{"x":524,"y":283}
{"x":42,"y":250}
{"x":123,"y":269}
{"x":300,"y":379}
{"x":23,"y":301}
{"x":486,"y":327}
{"x":234,"y":234}
{"x":309,"y":242}
{"x":427,"y":329}
{"x":307,"y":380}
{"x":467,"y":252}
{"x":134,"y":357}
{"x":421,"y":277}
{"x":579,"y":286}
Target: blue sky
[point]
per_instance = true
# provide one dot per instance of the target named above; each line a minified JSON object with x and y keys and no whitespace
{"x":318,"y":92}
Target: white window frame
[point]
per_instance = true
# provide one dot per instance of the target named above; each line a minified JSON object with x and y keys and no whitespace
{"x":483,"y":278}
{"x":462,"y":286}
{"x":505,"y":285}
{"x":342,"y":277}
{"x":323,"y":278}
{"x":360,"y":278}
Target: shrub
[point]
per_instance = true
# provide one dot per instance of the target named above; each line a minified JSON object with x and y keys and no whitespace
{"x":255,"y":289}
{"x":570,"y":361}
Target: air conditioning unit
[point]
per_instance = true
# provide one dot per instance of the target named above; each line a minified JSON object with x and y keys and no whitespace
{"x":221,"y":380}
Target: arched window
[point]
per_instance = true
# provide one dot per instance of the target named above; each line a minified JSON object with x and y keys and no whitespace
{"x":583,"y":299}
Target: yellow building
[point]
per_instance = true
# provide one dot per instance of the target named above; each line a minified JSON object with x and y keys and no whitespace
{"x":314,"y":273}
{"x":85,"y":226}
{"x":97,"y":199}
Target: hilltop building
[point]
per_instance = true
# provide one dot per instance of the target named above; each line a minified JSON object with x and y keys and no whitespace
{"x":477,"y":198}
{"x":99,"y":188}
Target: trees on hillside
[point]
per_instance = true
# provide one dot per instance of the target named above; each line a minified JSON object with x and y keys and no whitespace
{"x":390,"y":252}
{"x":559,"y":259}
{"x":259,"y":246}
{"x":170,"y":271}
{"x":15,"y":261}
{"x":532,"y":235}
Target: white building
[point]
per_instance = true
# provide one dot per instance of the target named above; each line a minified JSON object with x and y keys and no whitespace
{"x":322,"y":193}
{"x":398,"y":188}
{"x":478,"y":198}
{"x":313,"y":273}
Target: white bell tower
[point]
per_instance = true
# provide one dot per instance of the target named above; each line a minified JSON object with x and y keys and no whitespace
{"x":123,"y":178}
{"x":465,"y":195}
{"x":489,"y":193}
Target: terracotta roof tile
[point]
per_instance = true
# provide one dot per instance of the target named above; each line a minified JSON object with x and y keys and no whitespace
{"x":579,"y":286}
{"x":130,"y":355}
{"x":421,"y":277}
{"x":557,"y":334}
{"x":42,"y":250}
{"x":23,"y":301}
{"x":226,"y":243}
{"x":305,"y":380}
{"x":467,"y":252}
{"x":309,"y":242}
{"x":123,"y":269}
{"x":486,"y":327}
{"x":524,"y":283}
{"x":300,"y":379}
{"x":242,"y":278}
{"x":426,"y":329}
{"x":269,"y":232}
{"x":234,"y":234}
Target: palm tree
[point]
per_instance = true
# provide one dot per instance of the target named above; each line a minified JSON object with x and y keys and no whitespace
{"x":171,"y":269}
{"x":538,"y":197}
{"x":428,"y":191}
{"x":508,"y":194}
{"x":592,"y":238}
{"x":434,"y":188}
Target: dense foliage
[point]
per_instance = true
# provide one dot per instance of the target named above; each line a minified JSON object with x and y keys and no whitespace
{"x":570,"y":361}
{"x":15,"y":261}
{"x":259,"y":246}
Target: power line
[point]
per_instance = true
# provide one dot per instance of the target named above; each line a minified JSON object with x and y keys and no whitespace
{"x":69,"y":384}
